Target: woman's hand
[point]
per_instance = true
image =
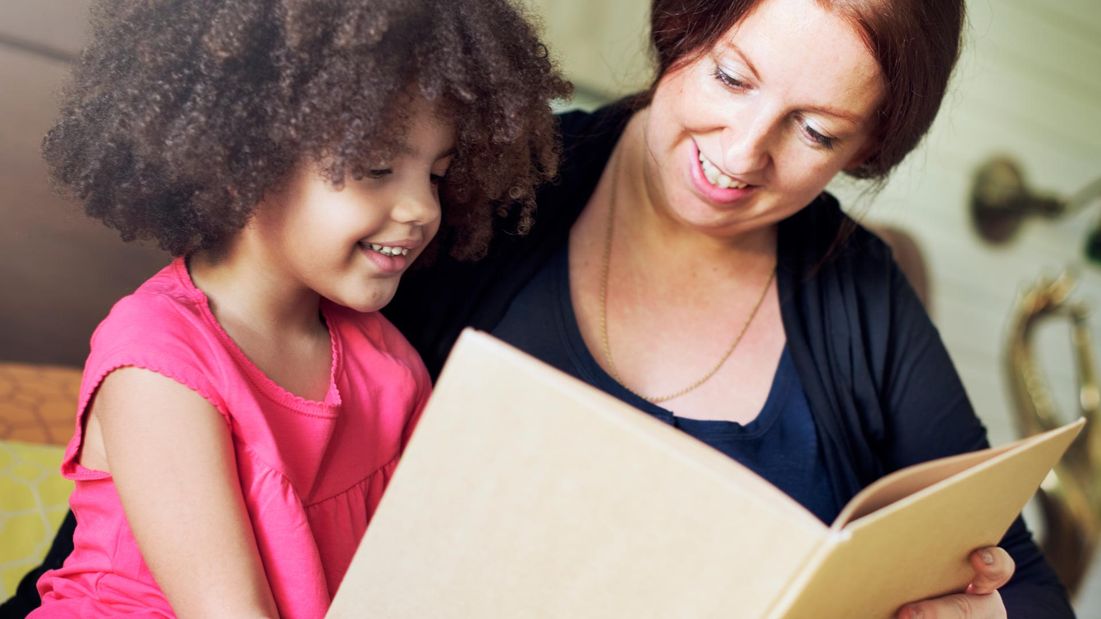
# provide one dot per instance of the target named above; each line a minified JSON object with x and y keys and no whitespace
{"x":981,"y":600}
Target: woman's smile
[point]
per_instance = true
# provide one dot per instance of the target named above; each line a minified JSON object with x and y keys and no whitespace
{"x":752,"y":129}
{"x":713,"y":184}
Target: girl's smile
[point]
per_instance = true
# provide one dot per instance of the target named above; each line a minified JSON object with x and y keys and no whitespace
{"x":391,"y":257}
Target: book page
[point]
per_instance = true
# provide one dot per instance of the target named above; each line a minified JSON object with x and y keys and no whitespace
{"x":526,"y":493}
{"x":904,"y":482}
{"x":917,"y":547}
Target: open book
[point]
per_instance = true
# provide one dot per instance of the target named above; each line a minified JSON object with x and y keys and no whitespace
{"x":526,"y":493}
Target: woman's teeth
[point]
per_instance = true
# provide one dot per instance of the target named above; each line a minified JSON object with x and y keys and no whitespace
{"x":717,"y":178}
{"x":389,"y":251}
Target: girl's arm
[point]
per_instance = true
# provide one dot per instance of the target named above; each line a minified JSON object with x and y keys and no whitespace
{"x":170,"y":453}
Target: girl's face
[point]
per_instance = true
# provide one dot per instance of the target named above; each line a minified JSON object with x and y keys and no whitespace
{"x":755,"y":128}
{"x":352,"y":245}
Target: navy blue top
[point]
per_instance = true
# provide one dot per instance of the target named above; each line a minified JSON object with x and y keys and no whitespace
{"x":882,"y":389}
{"x":780,"y":444}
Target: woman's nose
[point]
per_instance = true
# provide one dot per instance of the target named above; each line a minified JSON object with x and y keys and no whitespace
{"x":746,"y":145}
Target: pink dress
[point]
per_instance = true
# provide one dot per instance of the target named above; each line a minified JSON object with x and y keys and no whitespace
{"x":311,"y":473}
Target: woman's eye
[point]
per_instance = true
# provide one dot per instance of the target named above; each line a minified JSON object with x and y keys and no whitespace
{"x":728,"y":79}
{"x":820,"y":139}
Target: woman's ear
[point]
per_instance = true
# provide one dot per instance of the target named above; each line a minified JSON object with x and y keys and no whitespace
{"x":860,"y":158}
{"x":862,"y":164}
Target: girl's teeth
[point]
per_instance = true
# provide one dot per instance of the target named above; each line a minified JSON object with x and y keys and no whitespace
{"x":717,"y":178}
{"x":389,"y":251}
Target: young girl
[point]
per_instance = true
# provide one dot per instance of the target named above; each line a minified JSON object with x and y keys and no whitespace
{"x":242,"y":411}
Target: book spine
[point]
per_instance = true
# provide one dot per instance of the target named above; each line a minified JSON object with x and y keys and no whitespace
{"x":782,"y":604}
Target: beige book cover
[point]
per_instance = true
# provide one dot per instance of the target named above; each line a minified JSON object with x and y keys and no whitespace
{"x":527,"y":493}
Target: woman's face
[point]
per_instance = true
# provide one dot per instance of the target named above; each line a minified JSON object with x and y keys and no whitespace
{"x":755,"y":128}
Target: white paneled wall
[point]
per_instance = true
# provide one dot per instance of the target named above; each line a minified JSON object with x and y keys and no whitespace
{"x":599,"y":45}
{"x":1028,"y":85}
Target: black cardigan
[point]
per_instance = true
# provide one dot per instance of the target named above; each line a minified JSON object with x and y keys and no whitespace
{"x":883,"y":392}
{"x":881,"y":388}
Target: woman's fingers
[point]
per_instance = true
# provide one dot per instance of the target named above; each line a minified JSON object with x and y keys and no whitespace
{"x":958,"y":606}
{"x":993,"y":568}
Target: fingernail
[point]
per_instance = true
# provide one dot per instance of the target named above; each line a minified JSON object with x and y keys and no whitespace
{"x":987,"y":557}
{"x":970,"y":588}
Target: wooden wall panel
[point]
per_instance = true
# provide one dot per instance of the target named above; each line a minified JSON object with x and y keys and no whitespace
{"x":60,"y":272}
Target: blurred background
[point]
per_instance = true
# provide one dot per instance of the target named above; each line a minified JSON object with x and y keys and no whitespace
{"x":998,"y":202}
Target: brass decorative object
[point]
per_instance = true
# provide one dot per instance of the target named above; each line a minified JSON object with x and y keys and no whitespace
{"x":1070,"y":498}
{"x":1001,"y":200}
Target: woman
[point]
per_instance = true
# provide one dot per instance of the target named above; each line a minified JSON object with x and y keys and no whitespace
{"x":688,"y":254}
{"x":688,"y":262}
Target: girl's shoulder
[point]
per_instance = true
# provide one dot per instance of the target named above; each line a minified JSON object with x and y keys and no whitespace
{"x":164,"y":326}
{"x":166,"y":305}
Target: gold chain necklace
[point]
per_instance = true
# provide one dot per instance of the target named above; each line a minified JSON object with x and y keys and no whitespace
{"x":604,"y":320}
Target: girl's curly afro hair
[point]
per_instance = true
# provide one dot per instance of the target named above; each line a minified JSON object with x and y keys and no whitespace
{"x":182,"y":114}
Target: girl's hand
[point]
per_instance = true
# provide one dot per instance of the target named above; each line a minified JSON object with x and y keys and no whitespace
{"x":981,"y":600}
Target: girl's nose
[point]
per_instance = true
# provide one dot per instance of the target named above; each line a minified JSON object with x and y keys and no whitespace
{"x":417,"y":205}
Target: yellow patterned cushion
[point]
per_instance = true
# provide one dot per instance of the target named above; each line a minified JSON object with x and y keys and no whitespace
{"x":34,"y":498}
{"x":37,"y":409}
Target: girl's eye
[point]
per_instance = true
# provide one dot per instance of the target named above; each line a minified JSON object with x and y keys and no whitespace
{"x":379,"y":173}
{"x":436,"y":179}
{"x":819,"y":139}
{"x":729,"y":80}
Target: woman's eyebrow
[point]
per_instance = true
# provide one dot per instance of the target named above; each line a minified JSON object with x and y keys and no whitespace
{"x":838,"y":113}
{"x":744,"y":58}
{"x":823,"y":109}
